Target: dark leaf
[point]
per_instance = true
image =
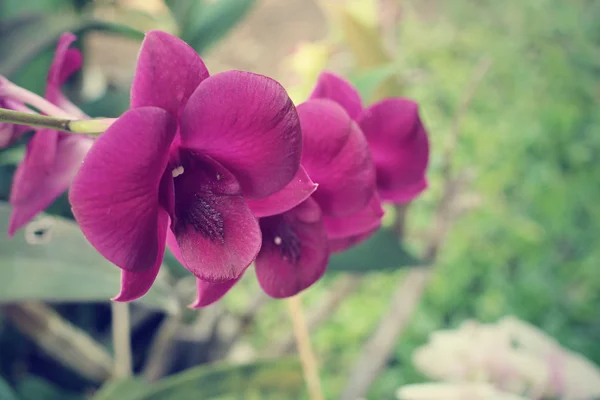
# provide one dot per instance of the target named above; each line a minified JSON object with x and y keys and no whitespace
{"x":214,"y":21}
{"x":187,"y":13}
{"x":382,"y":251}
{"x":23,"y":44}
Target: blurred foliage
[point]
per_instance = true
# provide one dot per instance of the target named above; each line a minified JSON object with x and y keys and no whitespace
{"x":202,"y":23}
{"x":260,"y":380}
{"x":532,"y":136}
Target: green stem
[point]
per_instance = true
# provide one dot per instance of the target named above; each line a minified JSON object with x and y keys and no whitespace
{"x":39,"y":121}
{"x":90,"y":127}
{"x":121,"y":331}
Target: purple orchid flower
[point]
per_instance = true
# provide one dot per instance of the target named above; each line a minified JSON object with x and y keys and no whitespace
{"x":182,"y":164}
{"x":296,"y":243}
{"x":52,"y":158}
{"x":396,"y":136}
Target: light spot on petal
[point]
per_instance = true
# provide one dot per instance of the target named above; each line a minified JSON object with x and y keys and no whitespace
{"x":277,"y":240}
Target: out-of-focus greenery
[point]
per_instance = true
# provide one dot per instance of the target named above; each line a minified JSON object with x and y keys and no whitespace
{"x":532,"y":137}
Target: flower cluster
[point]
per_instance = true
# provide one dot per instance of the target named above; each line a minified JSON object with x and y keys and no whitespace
{"x":224,"y":170}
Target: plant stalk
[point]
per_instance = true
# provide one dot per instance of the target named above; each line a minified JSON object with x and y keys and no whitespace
{"x":121,"y":339}
{"x":310,"y":367}
{"x":91,"y":127}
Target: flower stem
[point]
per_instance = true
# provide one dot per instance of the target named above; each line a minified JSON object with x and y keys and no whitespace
{"x":121,"y":333}
{"x":307,"y":356}
{"x":91,"y":127}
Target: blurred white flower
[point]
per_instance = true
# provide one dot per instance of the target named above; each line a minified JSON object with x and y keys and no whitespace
{"x":512,"y":356}
{"x":454,"y":391}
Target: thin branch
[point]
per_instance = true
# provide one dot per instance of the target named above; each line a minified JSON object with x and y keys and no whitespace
{"x":341,"y":288}
{"x":40,"y":121}
{"x":67,"y":344}
{"x":121,"y":339}
{"x":310,"y":366}
{"x":161,"y":348}
{"x":404,"y":300}
{"x":90,"y":126}
{"x":412,"y":285}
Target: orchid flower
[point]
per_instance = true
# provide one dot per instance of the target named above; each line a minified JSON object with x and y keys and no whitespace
{"x":396,"y":136}
{"x":52,"y":158}
{"x":296,"y":243}
{"x":181,"y":165}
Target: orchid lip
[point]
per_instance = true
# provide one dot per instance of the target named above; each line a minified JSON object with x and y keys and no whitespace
{"x":195,"y":202}
{"x":201,"y":215}
{"x":284,"y":237}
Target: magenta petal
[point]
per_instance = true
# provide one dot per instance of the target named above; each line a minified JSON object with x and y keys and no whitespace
{"x":399,"y":146}
{"x":38,"y":181}
{"x":404,"y":194}
{"x":209,"y":292}
{"x":135,"y":284}
{"x":298,"y":190}
{"x":294,"y":253}
{"x":168,"y":71}
{"x":247,"y":123}
{"x":7,"y":135}
{"x":343,"y":244}
{"x":333,"y":87}
{"x":215,"y":230}
{"x":65,"y":63}
{"x":115,"y":196}
{"x":367,"y":219}
{"x":337,"y":158}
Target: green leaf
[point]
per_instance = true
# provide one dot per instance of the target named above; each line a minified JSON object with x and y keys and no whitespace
{"x":63,"y":266}
{"x":369,"y":52}
{"x":34,"y":388}
{"x":6,"y":392}
{"x":114,"y":103}
{"x":213,"y":21}
{"x":124,"y":389}
{"x":280,"y":378}
{"x":187,"y":13}
{"x":176,"y":270}
{"x":382,"y":251}
{"x":12,"y":155}
{"x":368,"y":82}
{"x":27,"y":41}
